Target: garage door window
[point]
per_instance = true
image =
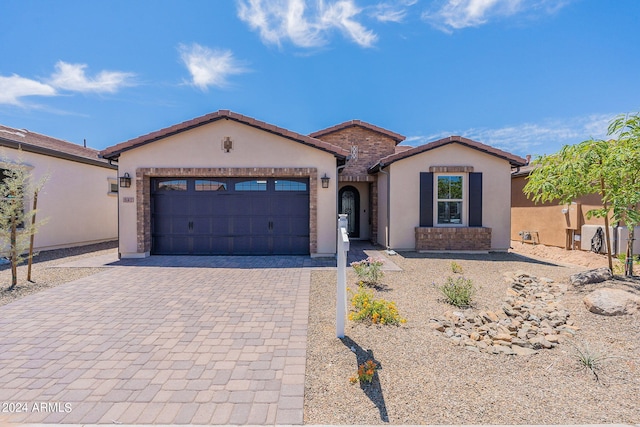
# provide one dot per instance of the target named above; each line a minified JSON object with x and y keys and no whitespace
{"x":284,"y":185}
{"x":208,"y":185}
{"x":172,"y":185}
{"x":255,"y":185}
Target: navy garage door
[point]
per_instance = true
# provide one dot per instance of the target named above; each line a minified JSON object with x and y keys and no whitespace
{"x":230,"y":216}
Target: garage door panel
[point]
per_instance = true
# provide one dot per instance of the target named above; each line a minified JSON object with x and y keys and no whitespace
{"x":245,"y":217}
{"x":172,"y":245}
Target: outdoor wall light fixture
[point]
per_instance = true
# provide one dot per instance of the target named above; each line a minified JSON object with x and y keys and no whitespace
{"x":125,"y":181}
{"x":325,"y":181}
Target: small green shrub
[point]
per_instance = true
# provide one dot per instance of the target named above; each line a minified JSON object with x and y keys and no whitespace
{"x":369,"y":270}
{"x":456,"y":268}
{"x":377,"y":311}
{"x":458,"y":291}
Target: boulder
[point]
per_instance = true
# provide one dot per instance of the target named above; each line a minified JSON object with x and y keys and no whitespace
{"x":591,"y":276}
{"x":612,"y":302}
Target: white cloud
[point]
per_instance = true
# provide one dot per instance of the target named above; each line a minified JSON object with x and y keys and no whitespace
{"x":14,"y":87}
{"x":456,"y":14}
{"x":209,"y":67}
{"x":545,"y":137}
{"x":392,"y":11}
{"x":72,"y":77}
{"x":302,"y":24}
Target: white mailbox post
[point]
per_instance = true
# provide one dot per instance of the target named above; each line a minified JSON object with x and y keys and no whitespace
{"x":341,"y":290}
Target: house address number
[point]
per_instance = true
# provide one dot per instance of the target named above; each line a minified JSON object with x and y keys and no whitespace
{"x":127,"y":200}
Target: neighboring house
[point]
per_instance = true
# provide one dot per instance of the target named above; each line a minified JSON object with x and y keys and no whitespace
{"x":225,"y":183}
{"x":79,"y":199}
{"x":565,"y":226}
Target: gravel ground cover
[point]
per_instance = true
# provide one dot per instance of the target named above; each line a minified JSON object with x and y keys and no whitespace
{"x":425,"y":379}
{"x":45,"y":275}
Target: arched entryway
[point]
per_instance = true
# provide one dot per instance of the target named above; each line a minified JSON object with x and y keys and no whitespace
{"x":349,"y":203}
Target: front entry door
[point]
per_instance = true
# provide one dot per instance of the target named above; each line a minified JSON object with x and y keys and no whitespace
{"x":349,"y":203}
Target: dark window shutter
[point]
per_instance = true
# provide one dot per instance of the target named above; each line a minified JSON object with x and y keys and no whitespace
{"x":426,"y":199}
{"x":475,"y":199}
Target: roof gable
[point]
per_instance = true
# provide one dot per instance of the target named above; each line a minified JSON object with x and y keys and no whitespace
{"x":511,"y":158}
{"x":114,"y":152}
{"x":359,"y":123}
{"x":49,"y":146}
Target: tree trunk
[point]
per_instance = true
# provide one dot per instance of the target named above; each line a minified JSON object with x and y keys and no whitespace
{"x":628,"y":265}
{"x":13,"y":254}
{"x":33,"y":234}
{"x":606,"y":225}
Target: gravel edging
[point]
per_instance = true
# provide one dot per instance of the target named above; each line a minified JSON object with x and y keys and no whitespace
{"x":425,"y":379}
{"x":45,"y":274}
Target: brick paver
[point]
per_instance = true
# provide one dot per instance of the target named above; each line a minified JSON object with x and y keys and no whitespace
{"x":164,"y":340}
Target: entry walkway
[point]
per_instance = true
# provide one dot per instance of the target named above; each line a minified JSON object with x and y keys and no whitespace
{"x":156,"y":343}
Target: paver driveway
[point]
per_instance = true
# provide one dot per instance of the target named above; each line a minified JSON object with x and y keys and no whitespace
{"x":151,"y":343}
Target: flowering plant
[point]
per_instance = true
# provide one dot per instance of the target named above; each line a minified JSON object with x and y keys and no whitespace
{"x":369,"y":270}
{"x":366,"y":372}
{"x":376,"y":311}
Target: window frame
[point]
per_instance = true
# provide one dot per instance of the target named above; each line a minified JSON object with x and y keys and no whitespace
{"x":464,"y":214}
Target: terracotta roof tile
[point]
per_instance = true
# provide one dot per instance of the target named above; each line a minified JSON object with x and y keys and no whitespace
{"x":511,"y":158}
{"x":115,"y":151}
{"x":35,"y":142}
{"x":351,"y":123}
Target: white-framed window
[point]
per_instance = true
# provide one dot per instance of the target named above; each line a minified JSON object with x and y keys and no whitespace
{"x":113,"y":186}
{"x":451,"y":204}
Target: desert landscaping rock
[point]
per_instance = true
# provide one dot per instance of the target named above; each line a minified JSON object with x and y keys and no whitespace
{"x":612,"y":302}
{"x":531,"y":319}
{"x":591,"y":276}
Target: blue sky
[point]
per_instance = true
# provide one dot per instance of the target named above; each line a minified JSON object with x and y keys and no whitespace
{"x":527,"y":76}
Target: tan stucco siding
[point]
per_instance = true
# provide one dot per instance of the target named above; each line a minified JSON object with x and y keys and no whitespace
{"x":75,"y":201}
{"x":383,"y":224}
{"x":405,"y":192}
{"x":201,"y":148}
{"x":547,"y":220}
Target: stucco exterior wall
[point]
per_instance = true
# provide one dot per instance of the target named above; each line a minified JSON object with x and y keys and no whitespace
{"x":546,"y":220}
{"x":383,"y":224}
{"x":405,"y":192}
{"x":201,"y":148}
{"x":75,"y":201}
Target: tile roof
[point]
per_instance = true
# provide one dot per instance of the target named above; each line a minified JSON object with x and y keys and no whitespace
{"x":352,"y":123}
{"x":46,"y":145}
{"x":511,"y":158}
{"x":115,"y":151}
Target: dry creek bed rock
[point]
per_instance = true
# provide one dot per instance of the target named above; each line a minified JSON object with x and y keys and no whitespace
{"x":530,"y":319}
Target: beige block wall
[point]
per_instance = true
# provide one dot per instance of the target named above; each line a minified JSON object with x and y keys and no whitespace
{"x":405,"y":192}
{"x":75,"y":201}
{"x":201,"y":147}
{"x":546,"y":219}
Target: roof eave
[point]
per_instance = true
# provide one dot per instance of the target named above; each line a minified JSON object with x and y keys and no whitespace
{"x":53,"y":153}
{"x":115,"y":152}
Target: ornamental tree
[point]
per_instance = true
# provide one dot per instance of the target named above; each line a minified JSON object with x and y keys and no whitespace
{"x":17,"y":225}
{"x":609,"y":168}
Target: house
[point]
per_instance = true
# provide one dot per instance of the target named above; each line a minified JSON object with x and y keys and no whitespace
{"x":566,"y":226}
{"x":225,"y":183}
{"x":79,"y":200}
